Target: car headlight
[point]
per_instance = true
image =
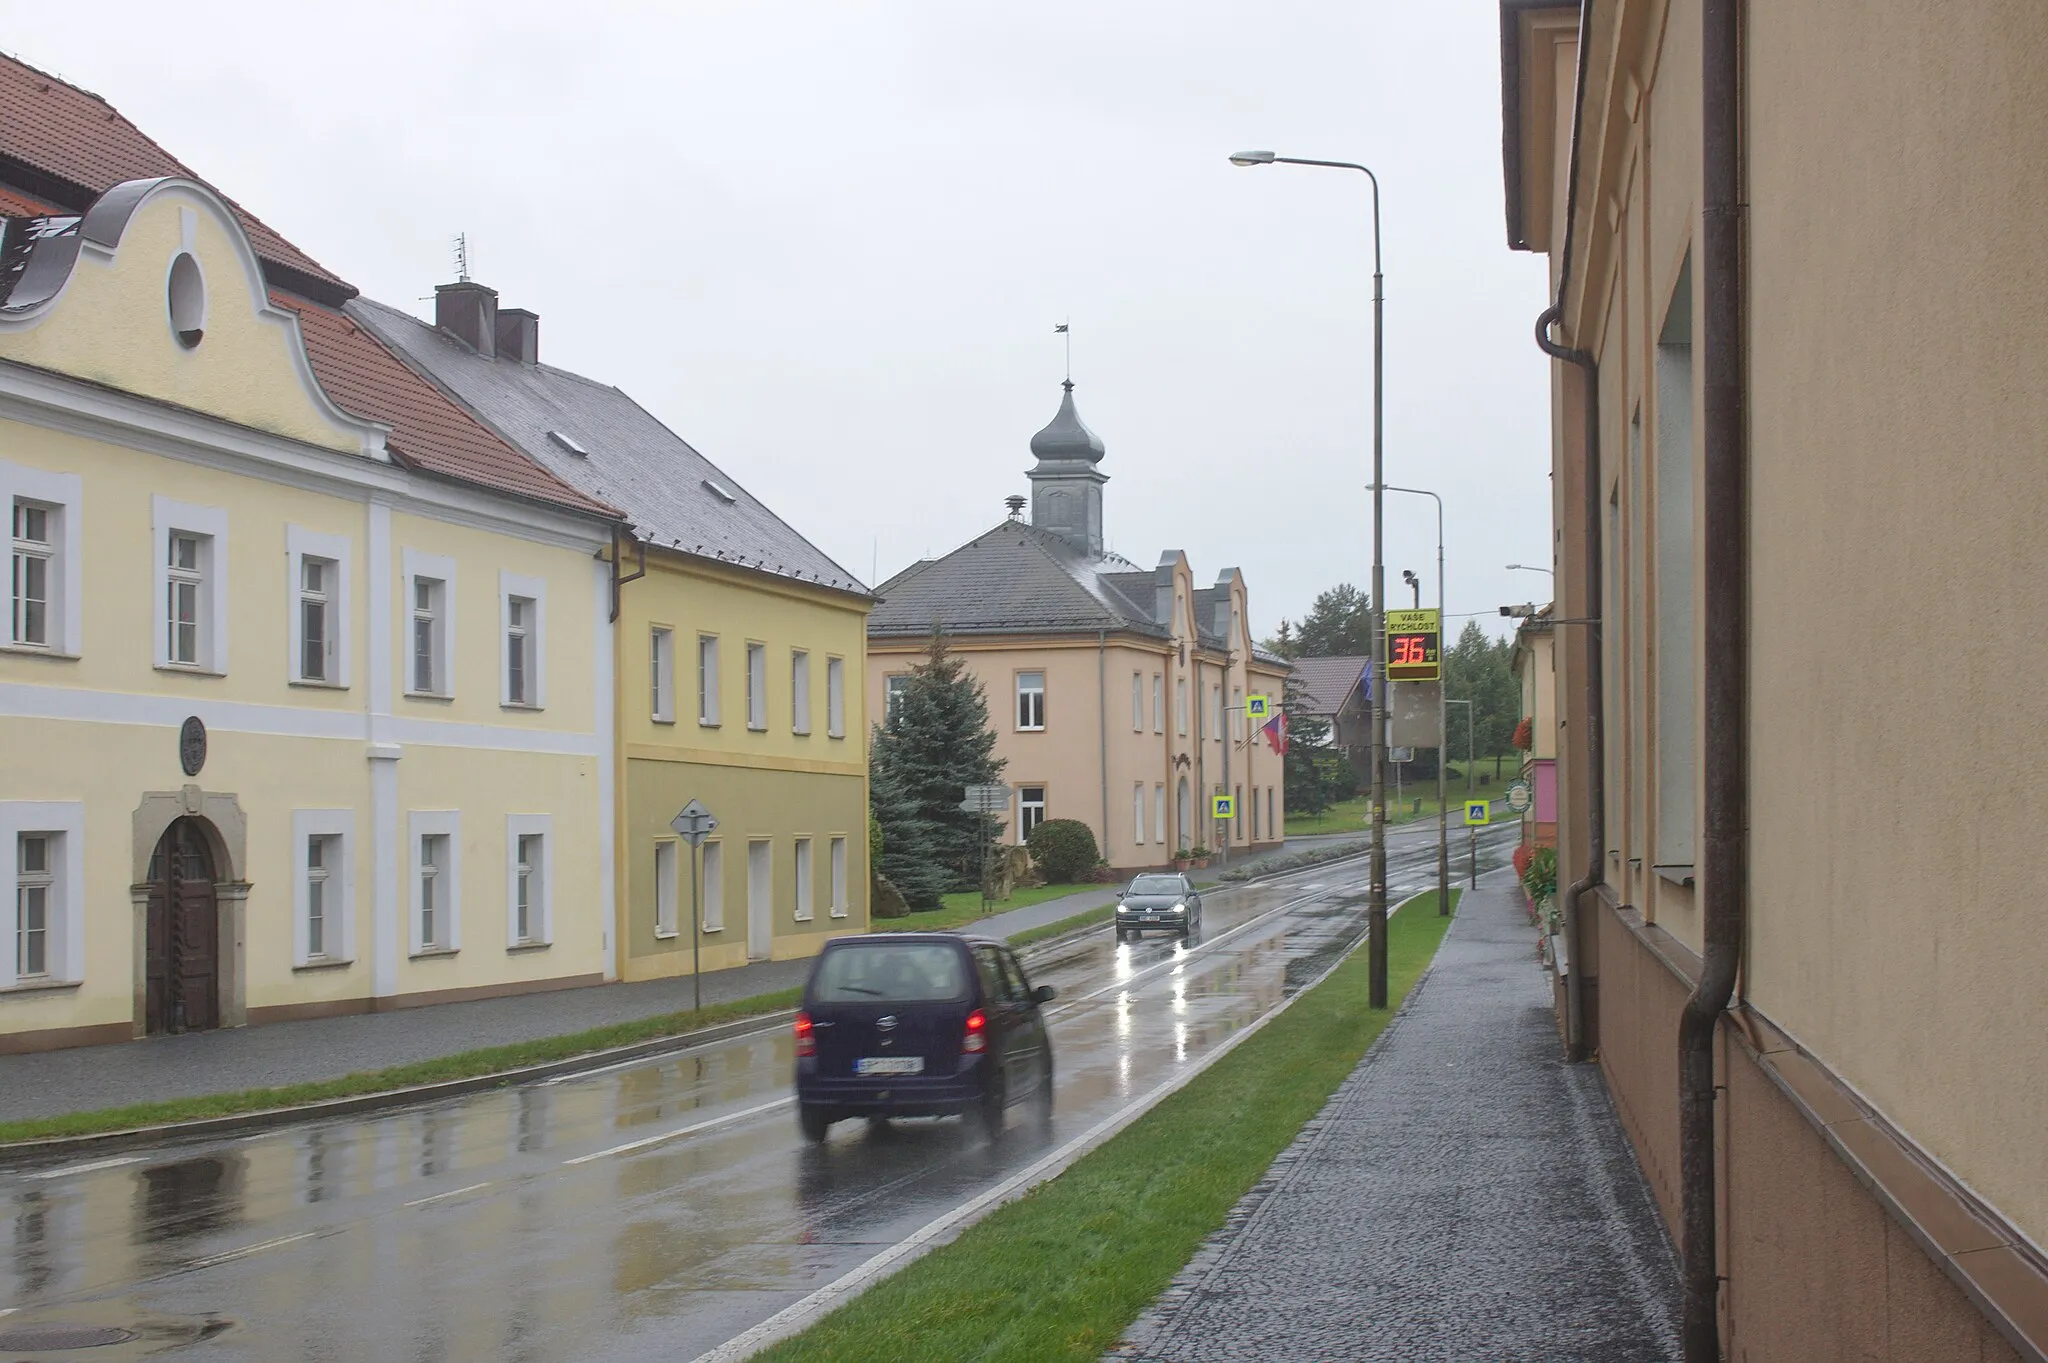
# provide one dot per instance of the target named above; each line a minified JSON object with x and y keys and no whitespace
{"x":1125,"y":908}
{"x":1180,"y":908}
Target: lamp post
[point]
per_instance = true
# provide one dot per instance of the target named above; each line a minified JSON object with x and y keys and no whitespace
{"x":1376,"y":903}
{"x":1531,"y":568}
{"x":1443,"y":813}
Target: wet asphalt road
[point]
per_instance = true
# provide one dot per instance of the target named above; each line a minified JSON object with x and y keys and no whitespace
{"x":651,"y":1211}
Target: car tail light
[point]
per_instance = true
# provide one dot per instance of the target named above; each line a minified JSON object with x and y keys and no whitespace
{"x":976,"y":1039}
{"x":806,"y":1035}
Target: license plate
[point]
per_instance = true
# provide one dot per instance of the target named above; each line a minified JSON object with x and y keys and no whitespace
{"x":889,"y":1064}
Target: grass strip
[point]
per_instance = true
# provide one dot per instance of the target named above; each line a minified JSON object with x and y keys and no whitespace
{"x":965,"y":906}
{"x":463,"y":1065}
{"x":1063,"y":1271}
{"x":1083,"y":919}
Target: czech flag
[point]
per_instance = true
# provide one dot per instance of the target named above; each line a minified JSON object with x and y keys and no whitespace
{"x":1275,"y":730}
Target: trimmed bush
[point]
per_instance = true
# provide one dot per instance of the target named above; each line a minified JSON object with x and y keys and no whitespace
{"x":1064,"y":850}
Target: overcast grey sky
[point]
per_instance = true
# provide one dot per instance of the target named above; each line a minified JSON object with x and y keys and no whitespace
{"x":828,"y":243}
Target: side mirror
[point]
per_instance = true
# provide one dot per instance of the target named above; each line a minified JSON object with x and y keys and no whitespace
{"x":1045,"y":993}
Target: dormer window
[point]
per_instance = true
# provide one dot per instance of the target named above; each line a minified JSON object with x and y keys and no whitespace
{"x":185,"y":296}
{"x":569,"y":442}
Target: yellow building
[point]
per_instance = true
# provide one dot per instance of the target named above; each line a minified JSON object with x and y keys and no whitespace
{"x":298,"y":717}
{"x":741,"y":658}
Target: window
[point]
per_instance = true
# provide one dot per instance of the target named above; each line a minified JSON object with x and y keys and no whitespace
{"x":1030,"y":810}
{"x":318,"y":581}
{"x":661,"y":680}
{"x":799,"y":691}
{"x":430,"y":600}
{"x":714,"y":886}
{"x":192,"y":621}
{"x":318,"y":588}
{"x":1180,"y":705}
{"x":1031,"y":700}
{"x":1159,"y":813}
{"x":1237,"y":812}
{"x":839,"y":909}
{"x":437,"y":882}
{"x":1158,"y":704}
{"x":1138,"y":813}
{"x":1677,"y":734}
{"x":707,"y":679}
{"x":324,"y":891}
{"x":1272,"y":829}
{"x":894,"y":689}
{"x":34,"y":876}
{"x":757,"y":686}
{"x":665,"y":888}
{"x":835,"y":698}
{"x":523,"y":621}
{"x":804,"y":902}
{"x":1216,"y":712}
{"x":1255,"y":813}
{"x":1137,"y":702}
{"x":43,"y":561}
{"x":1237,"y":713}
{"x":527,"y":880}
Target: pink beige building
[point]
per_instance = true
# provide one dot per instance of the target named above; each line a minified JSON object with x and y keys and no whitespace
{"x":1797,"y":277}
{"x":1535,"y":664}
{"x":1117,"y":692}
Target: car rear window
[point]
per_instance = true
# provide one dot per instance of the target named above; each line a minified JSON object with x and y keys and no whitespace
{"x":891,"y":972}
{"x":1156,"y":885}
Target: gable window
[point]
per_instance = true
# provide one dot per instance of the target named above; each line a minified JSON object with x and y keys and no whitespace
{"x":437,"y":882}
{"x":799,"y":691}
{"x":665,"y":859}
{"x":1158,"y":704}
{"x":707,"y":680}
{"x":1030,"y":810}
{"x":41,"y":913}
{"x":804,"y":888}
{"x":527,"y":879}
{"x":430,"y":639}
{"x":523,"y":619}
{"x":191,"y":586}
{"x":839,"y":877}
{"x":43,"y":558}
{"x":835,"y":698}
{"x":757,"y":687}
{"x":661,"y":681}
{"x":1031,"y":700}
{"x":1137,"y":702}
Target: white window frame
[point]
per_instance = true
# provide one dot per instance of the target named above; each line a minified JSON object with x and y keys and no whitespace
{"x":757,"y":687}
{"x":210,"y":525}
{"x":711,"y":910}
{"x":63,"y":496}
{"x":439,"y":569}
{"x":534,"y":591}
{"x":540,"y":882}
{"x":1137,"y":702}
{"x":707,"y":680}
{"x":893,"y":687}
{"x":835,"y":697}
{"x":1158,"y":703}
{"x":1138,"y":812}
{"x":667,"y":880}
{"x":338,"y":902}
{"x":806,"y":861}
{"x":1030,"y":712}
{"x":444,"y":823}
{"x":837,"y":852}
{"x":800,"y":691}
{"x":299,"y":545}
{"x":661,"y":674}
{"x":64,"y":945}
{"x":1041,"y":804}
{"x":1159,"y":812}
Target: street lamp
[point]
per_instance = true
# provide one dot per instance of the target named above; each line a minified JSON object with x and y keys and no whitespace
{"x":1531,"y":568}
{"x":1376,"y":903}
{"x":1443,"y":814}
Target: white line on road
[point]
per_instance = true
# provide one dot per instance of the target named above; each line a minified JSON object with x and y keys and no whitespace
{"x":212,"y":1260}
{"x":453,"y":1192}
{"x":96,"y":1165}
{"x":682,"y":1131}
{"x":663,"y":1057}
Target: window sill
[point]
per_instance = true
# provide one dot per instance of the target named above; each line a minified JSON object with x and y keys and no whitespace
{"x":520,"y":705}
{"x":757,"y":728}
{"x":801,"y":733}
{"x":703,"y":723}
{"x":321,"y":963}
{"x":443,"y":696}
{"x":840,"y":734}
{"x":313,"y":684}
{"x":432,"y":953}
{"x":839,"y":913}
{"x":661,"y":719}
{"x":189,"y":669}
{"x":1676,"y":874}
{"x":42,"y":986}
{"x":39,"y":651}
{"x":709,"y":928}
{"x":806,"y":918}
{"x":526,"y":948}
{"x":669,"y":936}
{"x":1030,"y":728}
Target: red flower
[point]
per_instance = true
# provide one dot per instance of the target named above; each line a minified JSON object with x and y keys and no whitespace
{"x":1525,"y":735}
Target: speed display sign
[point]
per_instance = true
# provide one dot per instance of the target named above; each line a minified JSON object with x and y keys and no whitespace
{"x":1414,"y":645}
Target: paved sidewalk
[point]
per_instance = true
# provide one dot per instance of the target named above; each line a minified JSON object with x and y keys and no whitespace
{"x":1464,"y":1195}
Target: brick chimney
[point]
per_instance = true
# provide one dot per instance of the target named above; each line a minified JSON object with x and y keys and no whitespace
{"x":469,"y":312}
{"x":519,"y":335}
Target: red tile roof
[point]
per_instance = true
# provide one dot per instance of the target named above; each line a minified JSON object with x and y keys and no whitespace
{"x":427,"y":430}
{"x":76,"y":136}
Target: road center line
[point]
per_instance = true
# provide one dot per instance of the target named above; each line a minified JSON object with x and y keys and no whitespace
{"x":453,"y":1192}
{"x":682,"y":1131}
{"x":96,"y":1165}
{"x":212,"y":1260}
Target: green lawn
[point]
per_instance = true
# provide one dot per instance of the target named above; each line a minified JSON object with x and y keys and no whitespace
{"x":1060,"y":1273}
{"x":965,"y":907}
{"x":1085,"y":918}
{"x":1348,"y":816}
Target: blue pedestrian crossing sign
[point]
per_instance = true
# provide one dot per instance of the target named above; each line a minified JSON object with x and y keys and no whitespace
{"x":1476,"y":815}
{"x":1258,"y":707}
{"x":1223,"y":806}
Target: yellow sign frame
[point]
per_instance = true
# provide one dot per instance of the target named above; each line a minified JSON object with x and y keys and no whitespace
{"x":1222,"y":807}
{"x":1478,"y":813}
{"x":1258,"y":707}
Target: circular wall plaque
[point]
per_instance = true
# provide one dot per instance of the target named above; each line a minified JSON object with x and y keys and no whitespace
{"x":192,"y":746}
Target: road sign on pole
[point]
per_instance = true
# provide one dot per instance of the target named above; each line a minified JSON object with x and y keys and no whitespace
{"x":1476,"y":814}
{"x":985,"y":801}
{"x":1258,"y":707}
{"x":694,"y":824}
{"x":1414,"y":645}
{"x":1223,"y":808}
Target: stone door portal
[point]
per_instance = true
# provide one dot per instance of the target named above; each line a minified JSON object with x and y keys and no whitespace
{"x":184,"y":933}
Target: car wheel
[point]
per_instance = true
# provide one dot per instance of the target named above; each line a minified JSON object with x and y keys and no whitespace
{"x":1043,"y":1102}
{"x":991,"y":1115}
{"x":815,"y":1121}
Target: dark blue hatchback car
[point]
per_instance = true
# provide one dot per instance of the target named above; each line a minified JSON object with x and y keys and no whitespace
{"x":919,"y":1024}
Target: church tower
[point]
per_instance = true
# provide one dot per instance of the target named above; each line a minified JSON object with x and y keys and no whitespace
{"x":1066,"y":485}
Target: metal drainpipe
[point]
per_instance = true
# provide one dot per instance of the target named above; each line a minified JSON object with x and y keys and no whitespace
{"x":1102,"y":723}
{"x":1724,"y":851}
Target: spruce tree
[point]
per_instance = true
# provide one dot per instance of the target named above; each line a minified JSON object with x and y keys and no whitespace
{"x":933,"y":744}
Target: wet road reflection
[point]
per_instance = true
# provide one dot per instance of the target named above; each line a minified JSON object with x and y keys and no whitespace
{"x":650,"y":1211}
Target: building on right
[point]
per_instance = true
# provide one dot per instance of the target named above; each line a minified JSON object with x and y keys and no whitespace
{"x":1799,"y":374}
{"x":1535,"y":664}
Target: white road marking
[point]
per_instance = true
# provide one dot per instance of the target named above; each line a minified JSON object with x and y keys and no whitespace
{"x":98,"y":1164}
{"x":683,"y":1131}
{"x":453,"y":1192}
{"x":8,"y":1310}
{"x":662,"y":1057}
{"x":212,"y":1260}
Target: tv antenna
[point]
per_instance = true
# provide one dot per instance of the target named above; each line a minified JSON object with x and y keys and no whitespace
{"x":462,"y":257}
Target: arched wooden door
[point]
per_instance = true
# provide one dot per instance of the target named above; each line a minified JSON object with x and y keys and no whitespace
{"x":184,"y":933}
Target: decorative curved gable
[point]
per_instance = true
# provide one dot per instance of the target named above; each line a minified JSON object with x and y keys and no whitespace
{"x":157,"y":292}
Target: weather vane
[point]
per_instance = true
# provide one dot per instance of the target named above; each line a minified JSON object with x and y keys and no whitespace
{"x":1062,"y":330}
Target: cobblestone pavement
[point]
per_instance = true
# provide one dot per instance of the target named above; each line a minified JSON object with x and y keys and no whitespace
{"x":1464,"y":1195}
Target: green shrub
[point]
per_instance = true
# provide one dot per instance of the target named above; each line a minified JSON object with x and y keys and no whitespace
{"x":1540,"y":879}
{"x":1064,"y":850}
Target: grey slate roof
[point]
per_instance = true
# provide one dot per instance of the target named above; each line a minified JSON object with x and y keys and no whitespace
{"x":1011,"y":579}
{"x":1327,"y":683}
{"x":1066,"y":436}
{"x":632,"y":461}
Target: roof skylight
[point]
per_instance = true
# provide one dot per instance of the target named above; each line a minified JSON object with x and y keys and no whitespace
{"x":568,"y":442}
